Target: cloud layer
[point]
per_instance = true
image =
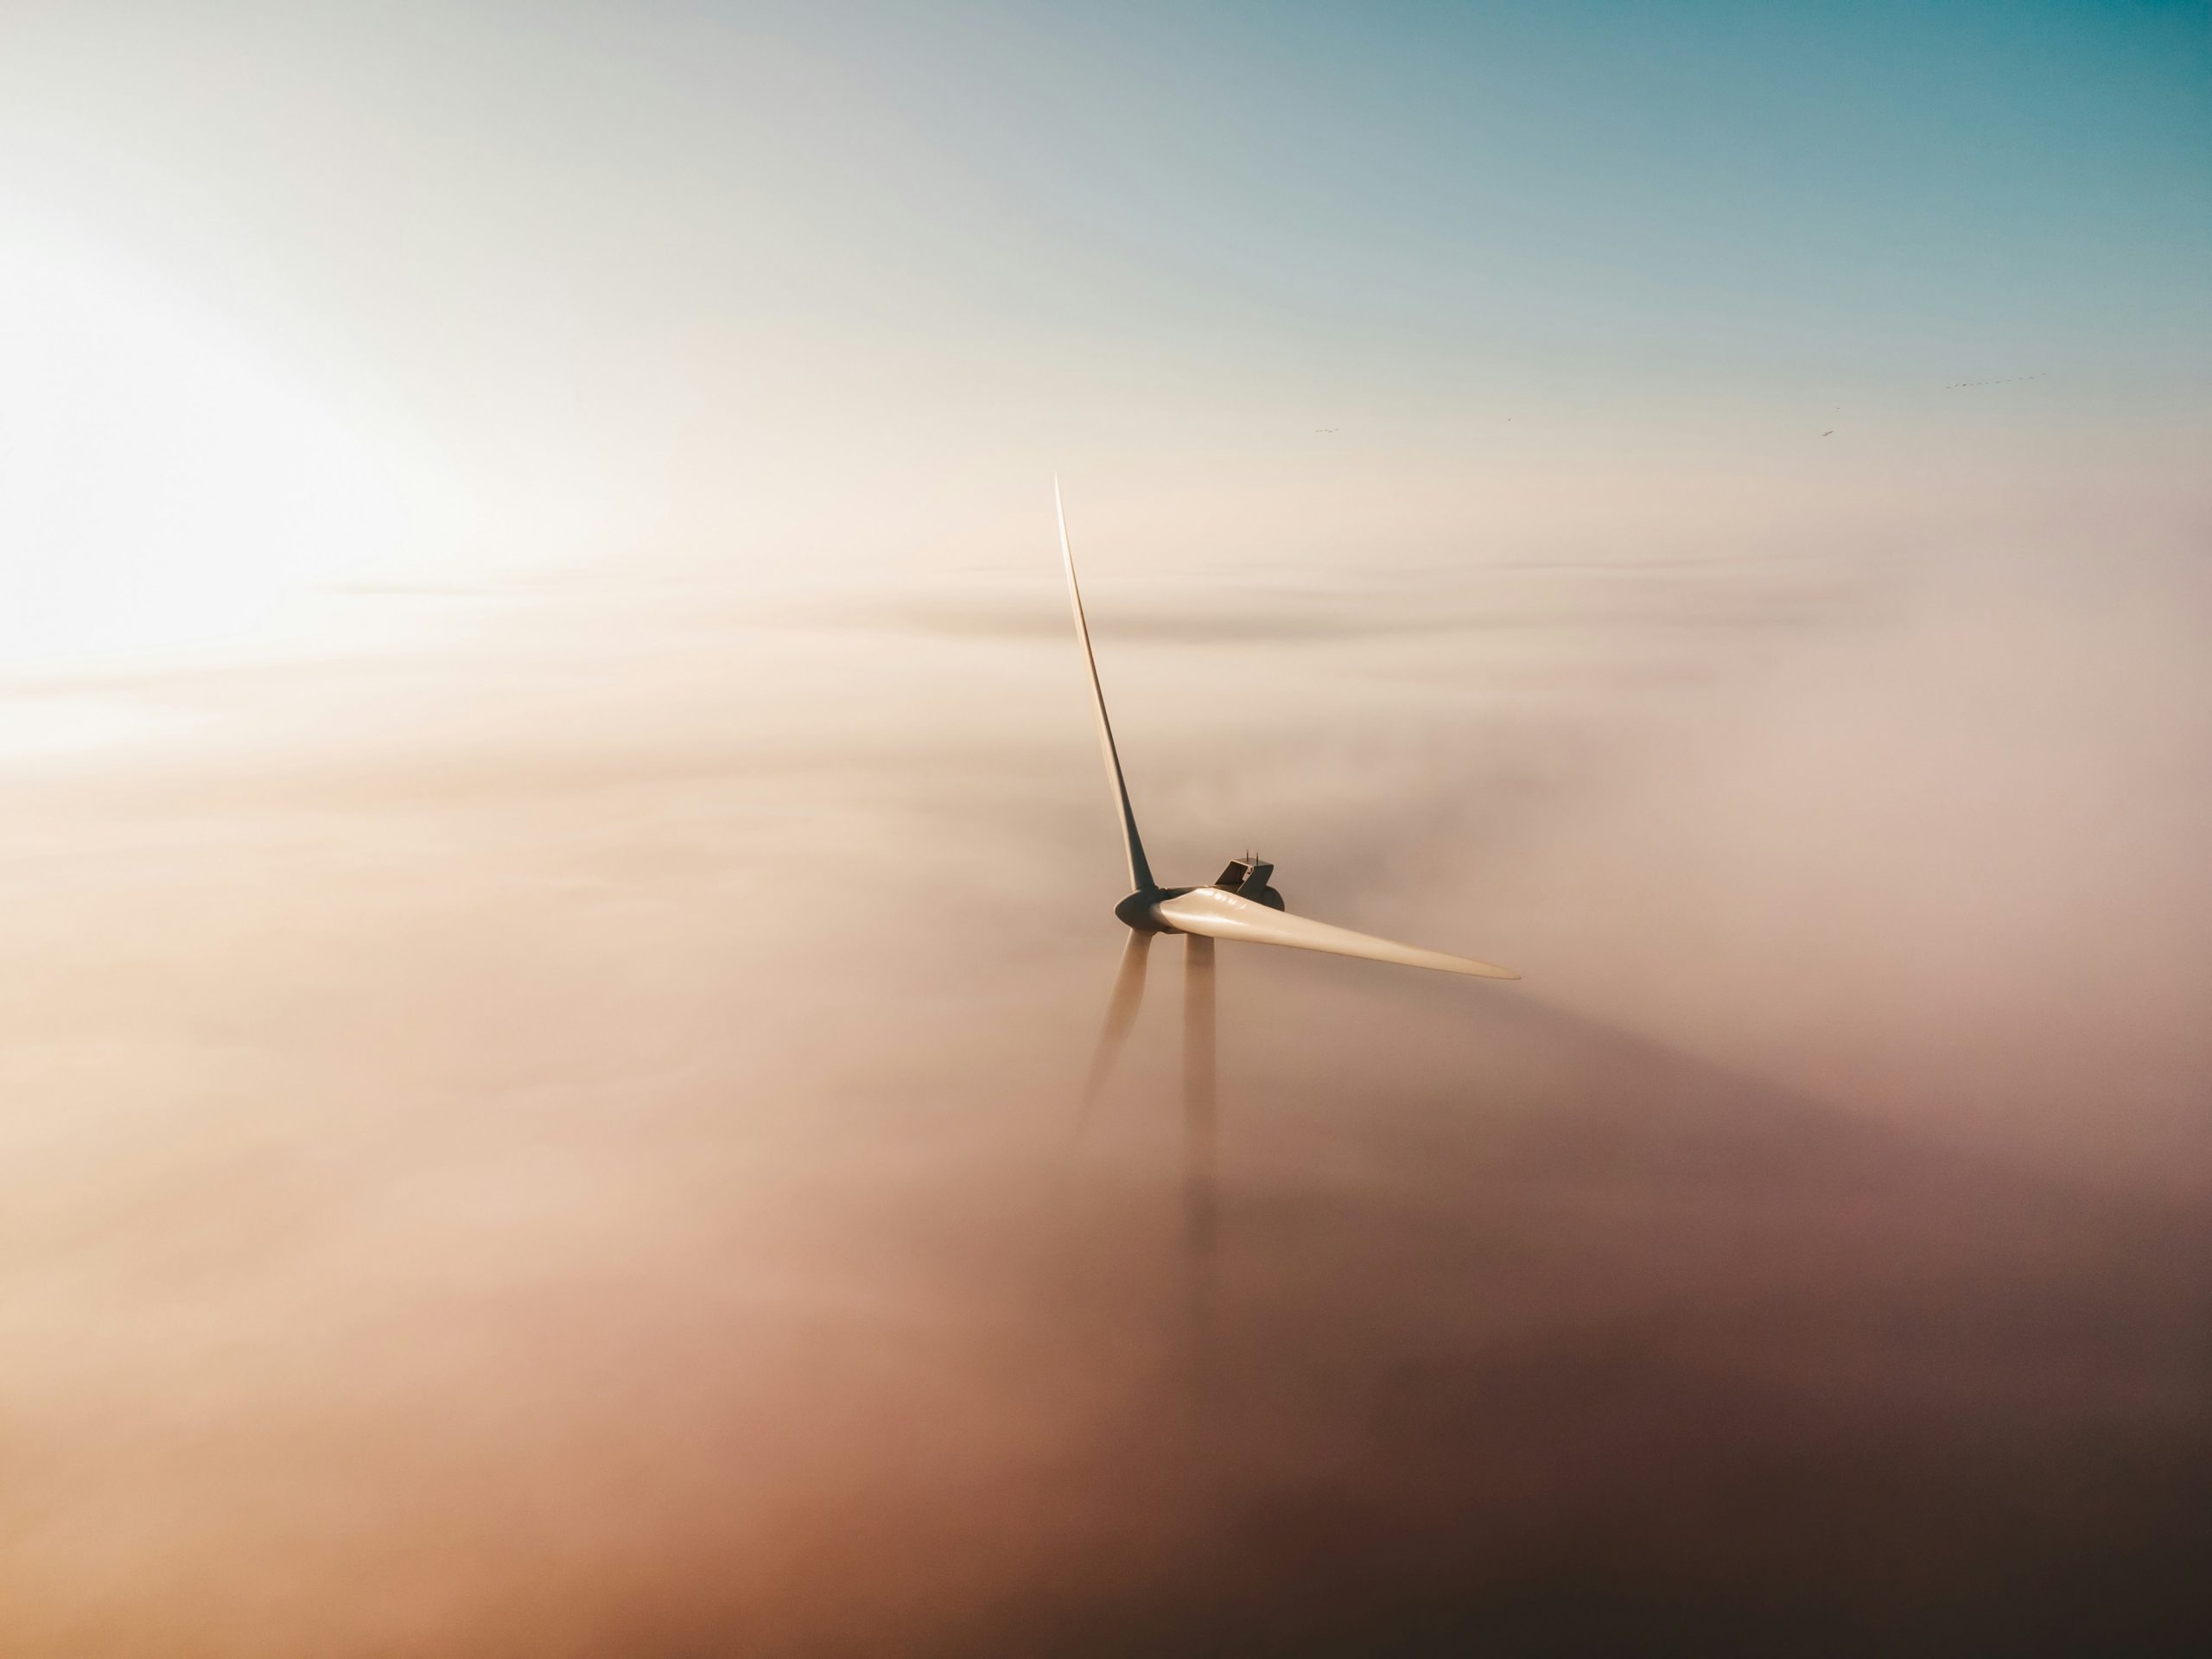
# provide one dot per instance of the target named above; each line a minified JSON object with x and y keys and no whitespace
{"x":568,"y":1143}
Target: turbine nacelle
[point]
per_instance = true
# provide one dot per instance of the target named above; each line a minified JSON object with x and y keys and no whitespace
{"x":1245,"y":878}
{"x":1248,"y":877}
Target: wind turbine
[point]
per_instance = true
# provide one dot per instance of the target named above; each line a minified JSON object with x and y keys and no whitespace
{"x":1238,"y":904}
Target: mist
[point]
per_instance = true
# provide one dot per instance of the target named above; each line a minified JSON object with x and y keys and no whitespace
{"x":555,"y":886}
{"x":562,"y":1135}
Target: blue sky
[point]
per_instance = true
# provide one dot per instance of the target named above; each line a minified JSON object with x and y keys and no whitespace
{"x":1738,"y":183}
{"x":590,"y":280}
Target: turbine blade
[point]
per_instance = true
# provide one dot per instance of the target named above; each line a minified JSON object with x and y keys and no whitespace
{"x":1140,"y":871}
{"x":1215,"y":914}
{"x":1120,"y":1014}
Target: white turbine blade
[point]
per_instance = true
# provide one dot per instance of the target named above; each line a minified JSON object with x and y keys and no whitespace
{"x":1120,"y":1014}
{"x":1229,"y":916}
{"x":1140,"y":871}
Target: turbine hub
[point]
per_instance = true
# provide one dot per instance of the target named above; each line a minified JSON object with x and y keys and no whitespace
{"x":1135,"y":910}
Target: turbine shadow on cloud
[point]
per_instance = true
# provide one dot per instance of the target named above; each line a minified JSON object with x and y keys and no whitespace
{"x":1575,"y":1355}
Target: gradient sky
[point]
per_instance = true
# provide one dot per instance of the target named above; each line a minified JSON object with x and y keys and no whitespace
{"x":557,"y":883}
{"x":746,"y":286}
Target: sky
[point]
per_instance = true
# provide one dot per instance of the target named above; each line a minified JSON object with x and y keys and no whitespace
{"x":558,"y":884}
{"x":447,"y":289}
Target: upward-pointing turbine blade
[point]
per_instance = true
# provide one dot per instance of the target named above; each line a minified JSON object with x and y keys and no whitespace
{"x":1221,"y":915}
{"x":1140,"y":871}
